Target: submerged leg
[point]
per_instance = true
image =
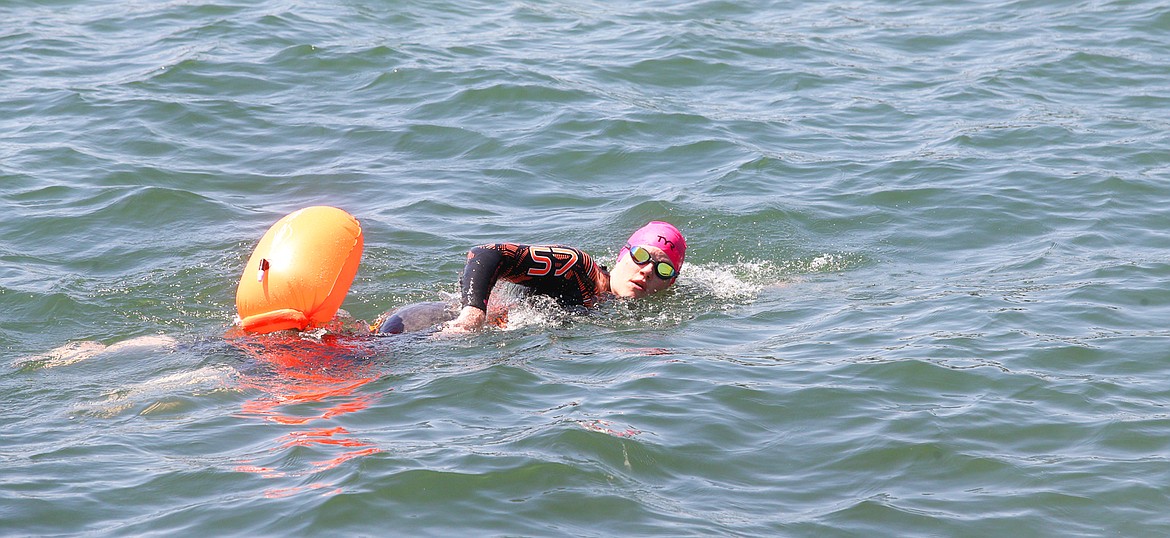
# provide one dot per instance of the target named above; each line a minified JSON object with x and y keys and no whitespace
{"x":86,"y":349}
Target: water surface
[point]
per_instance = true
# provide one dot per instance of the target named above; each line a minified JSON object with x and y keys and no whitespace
{"x":924,"y":294}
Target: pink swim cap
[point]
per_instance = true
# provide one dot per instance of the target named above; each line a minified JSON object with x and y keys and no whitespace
{"x":662,"y":235}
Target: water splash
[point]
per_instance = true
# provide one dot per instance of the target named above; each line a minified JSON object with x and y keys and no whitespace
{"x":744,"y":279}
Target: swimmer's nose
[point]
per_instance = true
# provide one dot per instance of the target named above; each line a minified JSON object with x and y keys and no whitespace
{"x":642,"y":276}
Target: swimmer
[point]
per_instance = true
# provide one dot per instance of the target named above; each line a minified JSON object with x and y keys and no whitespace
{"x":648,"y":263}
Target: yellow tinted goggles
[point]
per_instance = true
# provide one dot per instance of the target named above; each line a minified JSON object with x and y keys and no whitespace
{"x":641,"y":256}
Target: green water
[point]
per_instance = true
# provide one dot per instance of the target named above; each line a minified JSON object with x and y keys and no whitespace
{"x":924,"y":294}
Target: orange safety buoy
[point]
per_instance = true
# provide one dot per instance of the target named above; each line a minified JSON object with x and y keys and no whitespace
{"x":300,"y":271}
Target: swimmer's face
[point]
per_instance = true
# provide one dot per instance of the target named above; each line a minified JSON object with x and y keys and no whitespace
{"x":632,"y":281}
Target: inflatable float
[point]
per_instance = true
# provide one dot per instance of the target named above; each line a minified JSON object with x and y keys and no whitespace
{"x":300,"y":271}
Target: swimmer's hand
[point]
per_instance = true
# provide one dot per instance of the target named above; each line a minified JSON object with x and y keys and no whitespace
{"x":470,"y":319}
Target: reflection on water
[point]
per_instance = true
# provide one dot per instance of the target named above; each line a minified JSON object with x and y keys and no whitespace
{"x":307,"y":384}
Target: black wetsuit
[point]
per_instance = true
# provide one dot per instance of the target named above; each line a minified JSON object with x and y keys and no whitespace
{"x":563,"y":273}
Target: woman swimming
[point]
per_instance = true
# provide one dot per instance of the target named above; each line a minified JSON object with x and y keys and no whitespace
{"x":648,"y":263}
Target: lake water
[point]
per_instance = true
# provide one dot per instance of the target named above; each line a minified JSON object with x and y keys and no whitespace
{"x":925,"y":293}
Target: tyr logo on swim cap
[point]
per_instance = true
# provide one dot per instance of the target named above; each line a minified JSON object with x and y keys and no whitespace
{"x":662,"y":235}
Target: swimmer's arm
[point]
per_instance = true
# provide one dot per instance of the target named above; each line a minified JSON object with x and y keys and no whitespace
{"x":480,"y":275}
{"x":485,"y":265}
